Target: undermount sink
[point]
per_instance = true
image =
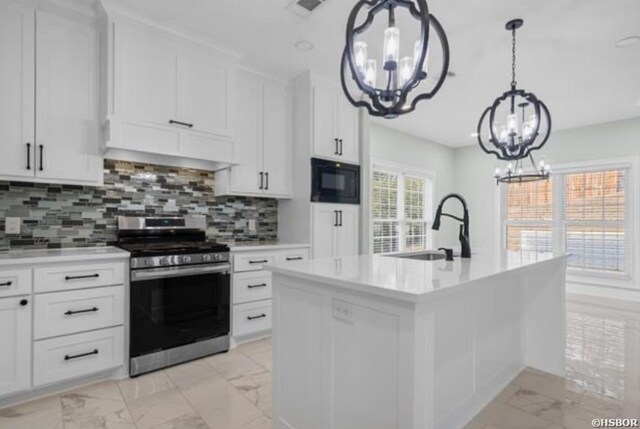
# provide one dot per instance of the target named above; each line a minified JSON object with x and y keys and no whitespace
{"x":422,"y":256}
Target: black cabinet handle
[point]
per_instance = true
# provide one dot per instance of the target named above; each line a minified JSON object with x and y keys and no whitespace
{"x":28,"y":156}
{"x":255,"y":286}
{"x":340,"y":214}
{"x":262,"y":316}
{"x":340,"y":148}
{"x":6,"y":284}
{"x":261,"y":180}
{"x":90,"y":276}
{"x":264,"y":261}
{"x":267,"y":180}
{"x":186,"y":124}
{"x":69,"y":357}
{"x":90,"y":310}
{"x":24,"y":302}
{"x":298,"y":258}
{"x":335,"y":213}
{"x":337,"y":152}
{"x":41,"y":163}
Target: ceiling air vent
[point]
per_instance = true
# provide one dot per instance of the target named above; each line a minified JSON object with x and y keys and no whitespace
{"x":304,"y":8}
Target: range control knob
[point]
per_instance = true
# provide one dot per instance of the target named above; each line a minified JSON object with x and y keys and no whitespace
{"x":186,"y":259}
{"x":218,"y":257}
{"x":164,"y":261}
{"x":207,"y":258}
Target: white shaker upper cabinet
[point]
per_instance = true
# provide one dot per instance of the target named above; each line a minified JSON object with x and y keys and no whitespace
{"x":246,"y":177}
{"x":205,"y":89}
{"x":263,"y":138}
{"x":15,"y":331}
{"x":335,"y":124}
{"x":148,"y":82}
{"x":17,"y":85}
{"x":170,"y":95}
{"x":276,"y":148}
{"x":67,"y":130}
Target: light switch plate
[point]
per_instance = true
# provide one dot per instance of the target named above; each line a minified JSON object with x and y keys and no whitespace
{"x":252,"y":224}
{"x":12,"y":225}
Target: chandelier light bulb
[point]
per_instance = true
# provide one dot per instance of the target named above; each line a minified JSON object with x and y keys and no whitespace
{"x":510,"y":168}
{"x":512,"y":123}
{"x":533,"y":121}
{"x":497,"y":172}
{"x":371,"y":73}
{"x":520,"y":171}
{"x":504,"y":134}
{"x":391,"y":47}
{"x":406,"y":70}
{"x":360,"y":53}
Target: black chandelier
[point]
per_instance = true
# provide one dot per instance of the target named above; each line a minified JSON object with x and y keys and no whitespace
{"x":402,"y":75}
{"x":527,"y":127}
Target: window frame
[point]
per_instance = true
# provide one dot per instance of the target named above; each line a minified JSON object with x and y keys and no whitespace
{"x":403,"y":171}
{"x":631,"y":166}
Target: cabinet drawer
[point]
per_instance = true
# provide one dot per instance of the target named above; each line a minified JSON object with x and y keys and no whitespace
{"x":73,"y":356}
{"x":15,"y":282}
{"x":78,"y":311}
{"x":251,"y":286}
{"x":78,"y":276}
{"x":251,"y":318}
{"x":252,"y":261}
{"x":293,"y":255}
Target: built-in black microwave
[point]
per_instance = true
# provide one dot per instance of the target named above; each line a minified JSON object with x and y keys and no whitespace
{"x":334,"y":182}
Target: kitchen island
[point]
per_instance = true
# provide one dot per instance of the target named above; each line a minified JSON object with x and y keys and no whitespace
{"x":380,"y":342}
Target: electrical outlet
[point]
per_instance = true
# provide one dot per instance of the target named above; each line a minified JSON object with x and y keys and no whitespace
{"x":252,"y":224}
{"x":342,"y":310}
{"x":12,"y":225}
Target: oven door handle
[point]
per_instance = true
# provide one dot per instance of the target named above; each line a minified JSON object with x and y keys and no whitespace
{"x":161,"y":273}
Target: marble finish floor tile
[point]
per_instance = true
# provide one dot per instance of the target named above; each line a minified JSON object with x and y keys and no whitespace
{"x":233,"y":390}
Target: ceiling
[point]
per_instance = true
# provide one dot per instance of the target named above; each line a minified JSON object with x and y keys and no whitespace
{"x":566,"y":53}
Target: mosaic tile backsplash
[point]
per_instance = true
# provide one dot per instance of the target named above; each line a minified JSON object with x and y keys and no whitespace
{"x":56,"y":216}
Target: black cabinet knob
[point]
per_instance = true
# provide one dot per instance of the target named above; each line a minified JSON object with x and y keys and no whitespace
{"x":24,"y":302}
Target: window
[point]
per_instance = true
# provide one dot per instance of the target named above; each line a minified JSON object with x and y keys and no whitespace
{"x":400,"y":201}
{"x":584,"y":212}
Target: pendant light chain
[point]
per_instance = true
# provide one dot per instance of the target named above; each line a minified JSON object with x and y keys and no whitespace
{"x":513,"y":61}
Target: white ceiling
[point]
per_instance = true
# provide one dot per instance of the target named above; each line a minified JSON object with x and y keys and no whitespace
{"x":566,"y":53}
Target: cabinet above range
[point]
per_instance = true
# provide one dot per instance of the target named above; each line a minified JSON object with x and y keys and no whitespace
{"x":167,"y":94}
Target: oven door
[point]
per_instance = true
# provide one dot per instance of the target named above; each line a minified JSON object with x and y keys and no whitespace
{"x":171,"y":307}
{"x":334,"y":182}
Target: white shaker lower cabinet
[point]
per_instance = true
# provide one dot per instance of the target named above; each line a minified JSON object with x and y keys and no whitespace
{"x":15,"y":334}
{"x":334,"y":230}
{"x":251,"y":287}
{"x":68,"y":310}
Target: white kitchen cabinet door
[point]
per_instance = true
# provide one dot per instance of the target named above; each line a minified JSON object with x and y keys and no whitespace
{"x":146,"y":77}
{"x":276,"y":148}
{"x":17,"y":86}
{"x":347,"y":230}
{"x":325,"y":122}
{"x":245,"y":177}
{"x":15,"y":331}
{"x":204,"y":92}
{"x":348,"y":133}
{"x":324,"y":224}
{"x":67,"y":126}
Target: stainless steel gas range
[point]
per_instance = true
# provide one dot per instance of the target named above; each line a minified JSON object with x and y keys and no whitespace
{"x":180,"y":291}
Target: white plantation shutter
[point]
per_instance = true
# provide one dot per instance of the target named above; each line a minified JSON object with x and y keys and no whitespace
{"x":595,"y":216}
{"x":530,"y":216}
{"x":582,"y":212}
{"x":384,"y":211}
{"x":399,"y":211}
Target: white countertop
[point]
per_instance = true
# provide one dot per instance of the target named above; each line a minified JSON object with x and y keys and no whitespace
{"x":16,"y":257}
{"x":253,"y":247}
{"x":409,"y":279}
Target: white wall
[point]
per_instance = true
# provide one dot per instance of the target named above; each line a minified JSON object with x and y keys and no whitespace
{"x":475,"y":169}
{"x":400,"y":148}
